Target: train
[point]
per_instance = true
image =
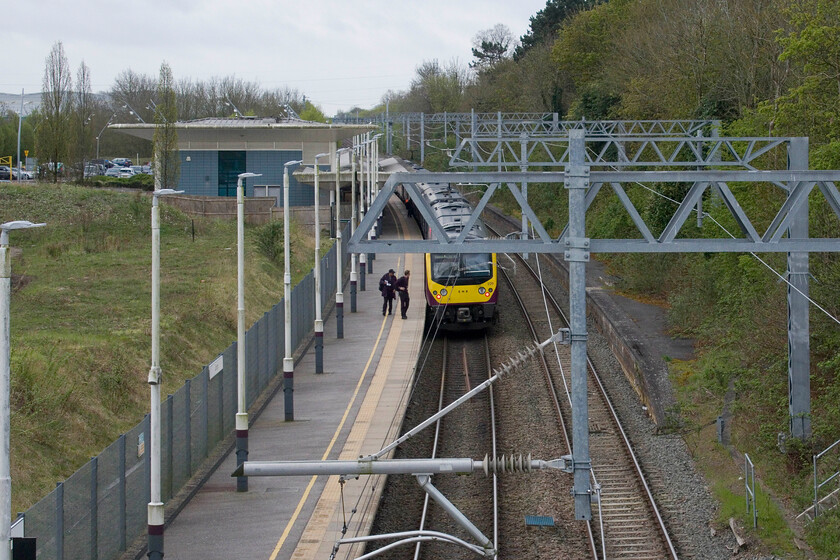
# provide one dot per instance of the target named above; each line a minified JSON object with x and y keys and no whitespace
{"x":461,"y":289}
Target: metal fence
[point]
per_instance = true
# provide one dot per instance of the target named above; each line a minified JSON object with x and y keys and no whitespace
{"x":102,"y":507}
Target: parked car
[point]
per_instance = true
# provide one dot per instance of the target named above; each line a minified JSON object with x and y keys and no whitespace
{"x":94,"y":170}
{"x":138,"y":169}
{"x":24,"y":174}
{"x":5,"y":173}
{"x":113,"y":172}
{"x":122,"y":162}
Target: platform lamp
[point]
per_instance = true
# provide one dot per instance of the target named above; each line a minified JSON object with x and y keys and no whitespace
{"x":6,"y":383}
{"x":155,"y":514}
{"x":288,"y":360}
{"x":362,"y":206}
{"x":339,"y":249}
{"x":319,"y":323}
{"x":353,"y":216}
{"x":242,"y":403}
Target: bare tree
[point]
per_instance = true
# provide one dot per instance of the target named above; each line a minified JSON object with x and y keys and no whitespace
{"x":85,"y":109}
{"x":167,"y":160}
{"x":57,"y":106}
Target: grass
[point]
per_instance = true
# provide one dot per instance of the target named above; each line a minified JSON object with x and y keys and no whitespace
{"x":80,"y":316}
{"x":701,"y":401}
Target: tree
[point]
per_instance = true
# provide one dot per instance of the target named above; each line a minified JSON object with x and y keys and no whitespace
{"x":167,"y":160}
{"x":491,"y":46}
{"x":546,"y":22}
{"x":85,"y":108}
{"x":57,"y":105}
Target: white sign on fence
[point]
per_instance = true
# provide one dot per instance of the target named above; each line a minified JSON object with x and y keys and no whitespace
{"x":216,"y":366}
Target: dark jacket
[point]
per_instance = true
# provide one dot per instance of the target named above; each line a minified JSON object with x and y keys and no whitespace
{"x":402,"y":286}
{"x":386,"y":285}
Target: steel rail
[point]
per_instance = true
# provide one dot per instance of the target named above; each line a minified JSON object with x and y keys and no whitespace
{"x":628,"y":445}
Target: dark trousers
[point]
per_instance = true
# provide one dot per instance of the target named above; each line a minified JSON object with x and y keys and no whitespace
{"x":403,"y":303}
{"x":387,"y":304}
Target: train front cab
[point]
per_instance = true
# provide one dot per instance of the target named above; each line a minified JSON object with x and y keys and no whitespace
{"x":461,"y":291}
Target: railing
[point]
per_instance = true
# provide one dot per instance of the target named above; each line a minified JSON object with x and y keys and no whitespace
{"x":749,"y":484}
{"x":102,"y":507}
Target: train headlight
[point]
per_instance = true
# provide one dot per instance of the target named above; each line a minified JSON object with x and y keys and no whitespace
{"x":434,"y":292}
{"x":481,"y":290}
{"x":489,"y":290}
{"x":443,"y":292}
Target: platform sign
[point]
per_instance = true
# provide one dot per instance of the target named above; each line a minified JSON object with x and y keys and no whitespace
{"x":141,"y":444}
{"x":216,"y":366}
{"x":17,"y":528}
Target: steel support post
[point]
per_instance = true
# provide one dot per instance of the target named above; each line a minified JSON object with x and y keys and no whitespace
{"x":422,"y":138}
{"x":353,"y":217}
{"x":577,"y":255}
{"x":523,"y":160}
{"x":799,"y":358}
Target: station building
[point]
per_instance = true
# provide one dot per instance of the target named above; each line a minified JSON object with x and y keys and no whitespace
{"x":214,"y":151}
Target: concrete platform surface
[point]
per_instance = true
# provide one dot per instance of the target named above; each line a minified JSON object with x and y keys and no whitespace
{"x":354,"y":408}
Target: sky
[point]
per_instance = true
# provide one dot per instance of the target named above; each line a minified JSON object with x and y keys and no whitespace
{"x":340,"y":54}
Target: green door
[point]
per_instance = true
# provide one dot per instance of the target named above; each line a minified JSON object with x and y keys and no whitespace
{"x":231,"y":164}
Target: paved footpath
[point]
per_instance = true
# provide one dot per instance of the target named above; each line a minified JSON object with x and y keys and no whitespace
{"x":354,"y":408}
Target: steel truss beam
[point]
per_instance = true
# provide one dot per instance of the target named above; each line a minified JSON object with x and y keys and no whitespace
{"x":797,"y":185}
{"x":617,"y":151}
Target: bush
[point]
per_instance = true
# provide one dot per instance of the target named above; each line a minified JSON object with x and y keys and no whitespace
{"x":142,"y":182}
{"x":269,"y":240}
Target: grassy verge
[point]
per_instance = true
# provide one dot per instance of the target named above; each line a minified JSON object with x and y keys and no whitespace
{"x":80,"y":315}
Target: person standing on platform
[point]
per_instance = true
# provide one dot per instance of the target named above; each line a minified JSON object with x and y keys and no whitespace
{"x":402,"y":289}
{"x":386,"y":287}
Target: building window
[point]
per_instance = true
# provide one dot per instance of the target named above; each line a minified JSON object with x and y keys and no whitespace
{"x":231,"y":164}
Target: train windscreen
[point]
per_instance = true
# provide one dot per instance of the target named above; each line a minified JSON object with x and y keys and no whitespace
{"x":450,"y":269}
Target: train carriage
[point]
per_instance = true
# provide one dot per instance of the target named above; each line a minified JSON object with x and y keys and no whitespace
{"x":460,"y":288}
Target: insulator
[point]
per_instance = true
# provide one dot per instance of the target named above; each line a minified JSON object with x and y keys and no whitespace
{"x":506,"y":464}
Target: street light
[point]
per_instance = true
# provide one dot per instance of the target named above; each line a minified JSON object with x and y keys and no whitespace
{"x":339,"y":294}
{"x":155,"y":514}
{"x":232,"y":106}
{"x":133,"y":112}
{"x":20,"y":121}
{"x":242,"y":409}
{"x":353,"y":216}
{"x":6,"y":383}
{"x":288,"y":361}
{"x":101,"y":132}
{"x":319,"y":324}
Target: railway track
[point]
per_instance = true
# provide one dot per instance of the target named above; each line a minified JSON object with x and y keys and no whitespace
{"x":626,"y":522}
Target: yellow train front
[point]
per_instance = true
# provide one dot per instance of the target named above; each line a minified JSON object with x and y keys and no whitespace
{"x":461,"y":291}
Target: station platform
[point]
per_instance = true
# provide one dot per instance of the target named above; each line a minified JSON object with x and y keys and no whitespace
{"x":354,"y":408}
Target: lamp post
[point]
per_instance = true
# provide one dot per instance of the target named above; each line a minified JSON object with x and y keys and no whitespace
{"x":155,"y":517}
{"x":20,"y":121}
{"x":339,"y":294}
{"x":102,"y":132}
{"x":374,"y":230}
{"x":352,"y":229}
{"x":133,"y":112}
{"x":242,"y":404}
{"x":319,"y":324}
{"x":288,"y":361}
{"x":6,"y":383}
{"x":362,"y":208}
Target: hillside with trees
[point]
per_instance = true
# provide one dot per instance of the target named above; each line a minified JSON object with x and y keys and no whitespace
{"x":760,"y":67}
